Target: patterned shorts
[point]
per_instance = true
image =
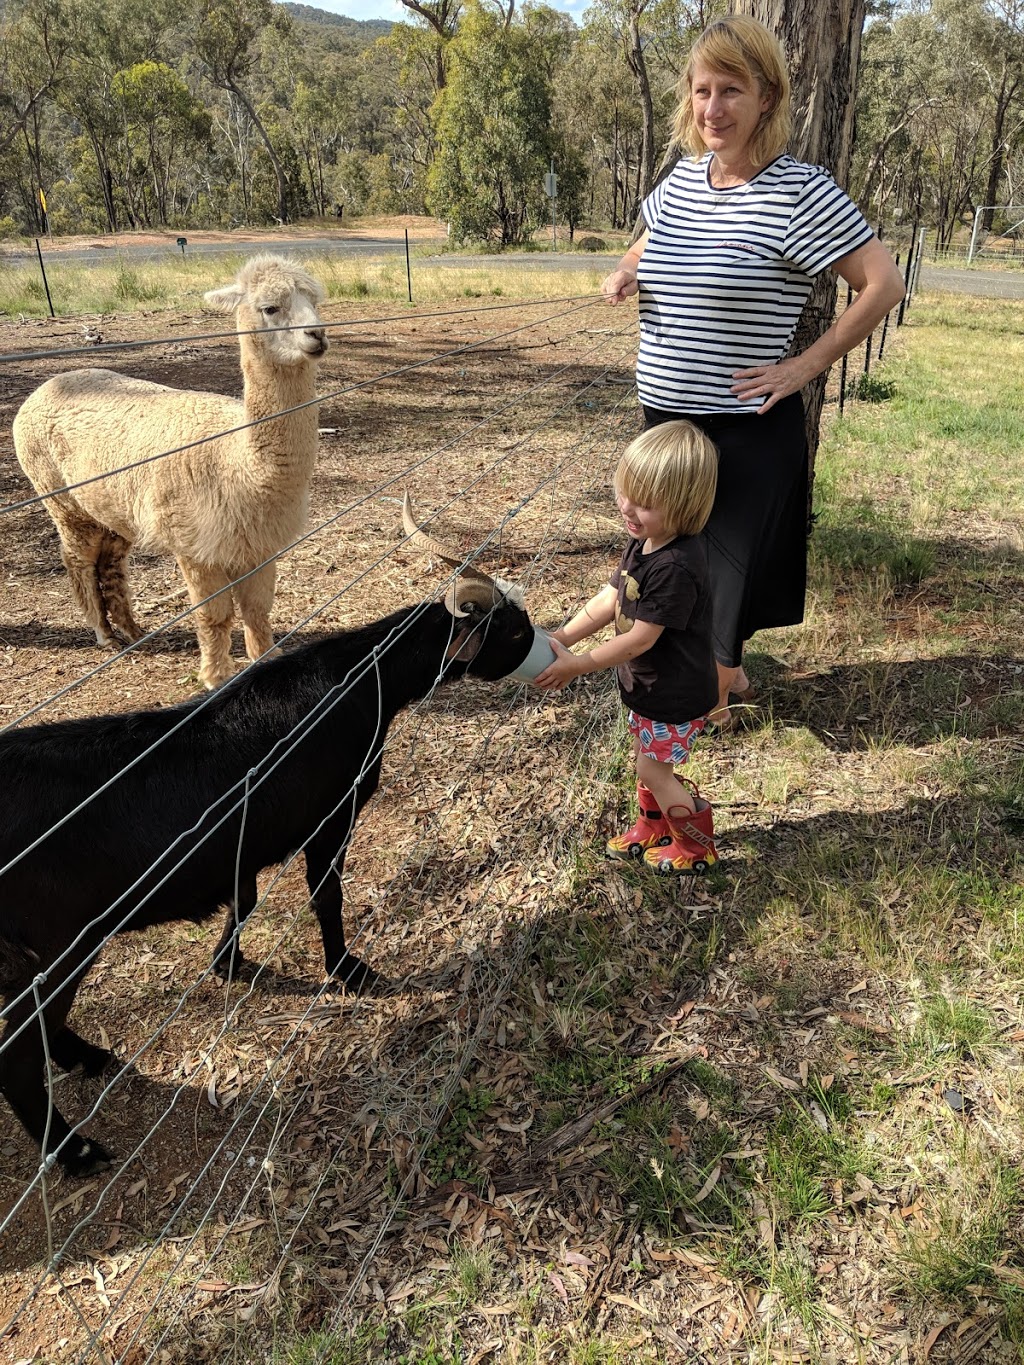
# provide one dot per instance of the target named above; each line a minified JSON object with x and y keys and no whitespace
{"x":662,"y":741}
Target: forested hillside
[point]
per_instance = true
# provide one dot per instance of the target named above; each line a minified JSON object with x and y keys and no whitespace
{"x":214,"y":113}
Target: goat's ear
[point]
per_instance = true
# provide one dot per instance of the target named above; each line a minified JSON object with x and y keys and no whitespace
{"x":465,"y":644}
{"x":225,"y":300}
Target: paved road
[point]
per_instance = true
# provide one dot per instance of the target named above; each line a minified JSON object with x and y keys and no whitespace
{"x":101,"y":254}
{"x":1001,"y":284}
{"x":990,"y":284}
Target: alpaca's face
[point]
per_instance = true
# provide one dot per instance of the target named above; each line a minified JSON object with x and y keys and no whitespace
{"x":288,"y":315}
{"x":276,"y":299}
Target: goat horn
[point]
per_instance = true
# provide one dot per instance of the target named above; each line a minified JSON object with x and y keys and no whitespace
{"x":485,"y":595}
{"x":429,"y":546}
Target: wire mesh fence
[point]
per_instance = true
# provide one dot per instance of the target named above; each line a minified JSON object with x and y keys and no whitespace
{"x":258,"y":1122}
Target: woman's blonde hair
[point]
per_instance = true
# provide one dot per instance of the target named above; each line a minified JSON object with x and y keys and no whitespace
{"x":672,"y":467}
{"x":737,"y":45}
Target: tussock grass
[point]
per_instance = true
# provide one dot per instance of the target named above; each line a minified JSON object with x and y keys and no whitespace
{"x":125,"y":283}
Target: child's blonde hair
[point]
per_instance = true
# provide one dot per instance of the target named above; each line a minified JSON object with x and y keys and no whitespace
{"x":672,"y":467}
{"x":737,"y":45}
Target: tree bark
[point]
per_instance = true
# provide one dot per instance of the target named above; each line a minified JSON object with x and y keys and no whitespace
{"x":637,"y":64}
{"x":822,"y":40}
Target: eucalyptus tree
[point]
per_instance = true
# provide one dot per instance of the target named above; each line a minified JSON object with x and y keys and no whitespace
{"x":1004,"y":52}
{"x":35,"y":40}
{"x":163,"y":123}
{"x":649,"y":39}
{"x":493,"y":128}
{"x":224,"y":37}
{"x":109,"y":36}
{"x":441,"y":18}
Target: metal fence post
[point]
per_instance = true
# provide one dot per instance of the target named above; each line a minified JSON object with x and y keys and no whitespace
{"x":46,"y":284}
{"x":842,"y":364}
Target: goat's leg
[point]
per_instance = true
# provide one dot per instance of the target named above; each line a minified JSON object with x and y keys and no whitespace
{"x":112,"y":575}
{"x":21,"y":1081}
{"x":68,"y":1049}
{"x":213,"y":620}
{"x":228,"y":956}
{"x":325,"y":863}
{"x":254,"y":597}
{"x":80,"y":542}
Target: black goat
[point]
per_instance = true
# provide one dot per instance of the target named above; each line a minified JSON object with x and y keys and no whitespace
{"x":283,"y":757}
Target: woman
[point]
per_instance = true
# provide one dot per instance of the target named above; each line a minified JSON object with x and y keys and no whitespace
{"x":734,"y":239}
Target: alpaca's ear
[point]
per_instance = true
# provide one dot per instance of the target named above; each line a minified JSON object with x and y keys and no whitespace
{"x":225,"y":300}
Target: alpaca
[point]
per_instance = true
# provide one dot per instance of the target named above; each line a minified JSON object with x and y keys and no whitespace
{"x":221,"y":508}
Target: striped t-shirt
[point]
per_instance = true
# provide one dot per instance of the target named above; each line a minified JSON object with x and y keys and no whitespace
{"x":726,"y":272}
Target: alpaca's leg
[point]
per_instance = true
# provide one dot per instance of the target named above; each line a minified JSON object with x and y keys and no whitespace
{"x":254,"y":596}
{"x":213,"y":620}
{"x":80,"y":544}
{"x":112,"y":574}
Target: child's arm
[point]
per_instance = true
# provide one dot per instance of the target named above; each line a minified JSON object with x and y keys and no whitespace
{"x":598,"y":613}
{"x":607,"y":655}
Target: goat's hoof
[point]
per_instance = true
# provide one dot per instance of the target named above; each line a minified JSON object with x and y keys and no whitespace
{"x":358,"y":977}
{"x":94,"y":1060}
{"x":83,"y":1156}
{"x":231,"y":967}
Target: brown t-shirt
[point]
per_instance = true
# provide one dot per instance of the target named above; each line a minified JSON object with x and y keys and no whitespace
{"x":676,"y":679}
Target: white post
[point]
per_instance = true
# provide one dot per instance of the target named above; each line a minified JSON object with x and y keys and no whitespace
{"x":974,"y":233}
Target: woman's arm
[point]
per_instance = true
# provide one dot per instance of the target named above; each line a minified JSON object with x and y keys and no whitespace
{"x":879,"y":287}
{"x":626,"y":646}
{"x":598,"y":613}
{"x":621,"y":283}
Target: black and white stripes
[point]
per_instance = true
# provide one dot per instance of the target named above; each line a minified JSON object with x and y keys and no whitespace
{"x":725,"y":274}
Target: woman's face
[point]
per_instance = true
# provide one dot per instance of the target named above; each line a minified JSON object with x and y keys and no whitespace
{"x":726,"y":110}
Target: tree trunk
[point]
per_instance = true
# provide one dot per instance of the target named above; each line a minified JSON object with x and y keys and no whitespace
{"x":822,"y":40}
{"x":275,"y":160}
{"x":638,"y":66}
{"x":998,"y":153}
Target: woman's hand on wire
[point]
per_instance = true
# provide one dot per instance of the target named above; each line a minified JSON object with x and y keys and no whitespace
{"x":619,"y":286}
{"x":565,"y":667}
{"x":771,"y":382}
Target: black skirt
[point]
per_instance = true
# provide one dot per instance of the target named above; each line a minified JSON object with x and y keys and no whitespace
{"x":757,"y":532}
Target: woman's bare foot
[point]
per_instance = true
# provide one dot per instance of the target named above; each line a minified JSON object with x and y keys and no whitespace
{"x":742,"y":689}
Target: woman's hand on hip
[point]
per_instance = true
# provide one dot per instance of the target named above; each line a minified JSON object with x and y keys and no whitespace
{"x":771,"y":382}
{"x":619,"y":286}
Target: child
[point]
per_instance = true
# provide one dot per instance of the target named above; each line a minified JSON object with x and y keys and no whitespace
{"x":660,"y":601}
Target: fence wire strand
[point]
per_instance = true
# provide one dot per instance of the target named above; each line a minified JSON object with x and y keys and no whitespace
{"x":60,"y":352}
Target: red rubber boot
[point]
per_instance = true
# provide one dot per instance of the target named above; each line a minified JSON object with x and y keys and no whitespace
{"x":650,"y":830}
{"x":691,"y":848}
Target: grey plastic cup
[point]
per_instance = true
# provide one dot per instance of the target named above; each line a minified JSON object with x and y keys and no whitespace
{"x":541,"y":654}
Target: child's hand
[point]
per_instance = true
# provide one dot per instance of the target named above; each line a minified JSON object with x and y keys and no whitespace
{"x":566,"y":667}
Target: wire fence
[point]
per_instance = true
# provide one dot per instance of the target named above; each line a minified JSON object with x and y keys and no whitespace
{"x":136,"y":1255}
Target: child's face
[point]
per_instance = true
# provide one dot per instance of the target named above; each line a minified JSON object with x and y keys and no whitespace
{"x":644,"y":523}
